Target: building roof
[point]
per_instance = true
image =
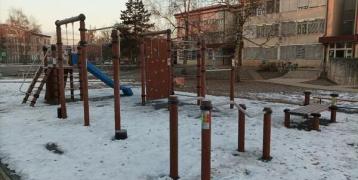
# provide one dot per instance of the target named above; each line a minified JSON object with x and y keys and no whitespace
{"x":335,"y":39}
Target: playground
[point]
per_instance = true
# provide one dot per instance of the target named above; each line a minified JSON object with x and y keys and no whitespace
{"x":90,"y":153}
{"x":159,"y":128}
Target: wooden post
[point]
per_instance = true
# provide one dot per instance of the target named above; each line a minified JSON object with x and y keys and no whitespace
{"x":173,"y":136}
{"x":315,"y":121}
{"x":241,"y":129}
{"x":307,"y":98}
{"x":143,"y":70}
{"x":287,"y":118}
{"x":267,"y":135}
{"x":120,"y":133}
{"x":62,"y":111}
{"x":206,"y":108}
{"x":83,"y":59}
{"x":333,"y":108}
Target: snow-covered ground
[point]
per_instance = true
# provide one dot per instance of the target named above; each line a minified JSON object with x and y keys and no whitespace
{"x":90,"y":153}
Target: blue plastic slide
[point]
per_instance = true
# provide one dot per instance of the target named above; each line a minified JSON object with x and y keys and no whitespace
{"x":127,"y":91}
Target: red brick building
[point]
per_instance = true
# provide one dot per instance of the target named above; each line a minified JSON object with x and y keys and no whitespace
{"x":214,"y":24}
{"x":341,"y":42}
{"x":20,"y":46}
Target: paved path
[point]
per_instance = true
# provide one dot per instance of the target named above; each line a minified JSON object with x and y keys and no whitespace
{"x":300,"y":83}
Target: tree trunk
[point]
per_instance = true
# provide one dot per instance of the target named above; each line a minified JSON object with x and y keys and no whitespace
{"x":238,"y":53}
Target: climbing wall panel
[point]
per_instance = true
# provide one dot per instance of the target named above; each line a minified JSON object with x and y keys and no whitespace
{"x":157,"y":68}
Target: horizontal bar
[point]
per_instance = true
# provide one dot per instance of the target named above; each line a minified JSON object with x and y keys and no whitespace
{"x":109,"y":27}
{"x":328,"y":98}
{"x":217,"y":70}
{"x":155,"y":33}
{"x":80,"y":17}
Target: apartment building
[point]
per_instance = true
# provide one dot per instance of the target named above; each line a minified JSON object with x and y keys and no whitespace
{"x":20,"y":46}
{"x":341,"y":42}
{"x":288,"y":31}
{"x":215,"y":24}
{"x":279,"y":30}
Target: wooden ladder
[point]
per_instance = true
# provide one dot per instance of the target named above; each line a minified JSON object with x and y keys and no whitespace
{"x":30,"y":90}
{"x":47,"y":72}
{"x":32,"y":85}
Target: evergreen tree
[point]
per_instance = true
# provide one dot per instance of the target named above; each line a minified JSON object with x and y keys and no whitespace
{"x":136,"y":18}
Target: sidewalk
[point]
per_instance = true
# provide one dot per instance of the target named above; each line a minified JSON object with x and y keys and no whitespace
{"x":300,"y":83}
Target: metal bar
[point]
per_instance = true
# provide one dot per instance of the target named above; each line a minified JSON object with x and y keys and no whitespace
{"x":80,"y":17}
{"x":104,"y":28}
{"x":217,"y":70}
{"x":173,"y":136}
{"x":83,"y":59}
{"x":155,"y":33}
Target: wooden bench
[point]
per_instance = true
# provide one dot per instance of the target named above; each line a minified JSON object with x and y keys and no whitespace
{"x":306,"y":111}
{"x":312,"y":110}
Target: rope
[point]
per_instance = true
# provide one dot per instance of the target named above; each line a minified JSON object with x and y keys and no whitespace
{"x":66,"y":35}
{"x":25,"y":75}
{"x":73,"y":38}
{"x":250,"y":115}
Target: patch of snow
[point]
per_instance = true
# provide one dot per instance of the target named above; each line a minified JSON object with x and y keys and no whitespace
{"x":90,"y":153}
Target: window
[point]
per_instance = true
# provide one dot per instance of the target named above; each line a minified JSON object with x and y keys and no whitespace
{"x":277,"y":6}
{"x":288,"y":29}
{"x":261,"y":10}
{"x":303,"y":4}
{"x":313,"y":27}
{"x":300,"y":52}
{"x":270,"y":6}
{"x":302,"y":28}
{"x":341,"y":50}
{"x":260,"y":31}
{"x":267,"y":30}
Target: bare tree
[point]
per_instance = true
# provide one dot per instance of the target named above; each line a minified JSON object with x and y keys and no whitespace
{"x":104,"y":37}
{"x":18,"y":18}
{"x":240,"y":10}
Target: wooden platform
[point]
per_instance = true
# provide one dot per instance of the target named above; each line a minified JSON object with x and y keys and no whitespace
{"x":310,"y":109}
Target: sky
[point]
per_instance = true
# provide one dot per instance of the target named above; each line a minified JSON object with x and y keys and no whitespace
{"x":46,"y":12}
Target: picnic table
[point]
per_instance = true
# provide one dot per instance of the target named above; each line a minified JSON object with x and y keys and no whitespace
{"x":312,"y":111}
